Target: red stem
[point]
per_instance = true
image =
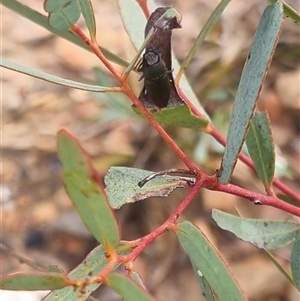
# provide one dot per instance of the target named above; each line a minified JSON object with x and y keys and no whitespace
{"x":277,"y":183}
{"x":211,"y":130}
{"x":267,"y":200}
{"x":160,"y":130}
{"x":146,"y":240}
{"x":144,"y":6}
{"x":127,"y":90}
{"x":253,"y":196}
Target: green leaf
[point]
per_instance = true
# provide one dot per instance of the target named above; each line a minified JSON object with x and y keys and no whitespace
{"x":33,"y":281}
{"x":264,"y":234}
{"x":295,"y":261}
{"x":82,"y":186}
{"x":122,"y":185}
{"x":127,"y":288}
{"x":38,"y":18}
{"x":253,"y":75}
{"x":261,"y":148}
{"x":89,"y":17}
{"x":136,"y":277}
{"x":208,"y":262}
{"x":189,"y":92}
{"x":203,"y":283}
{"x":55,"y":269}
{"x":289,"y":11}
{"x":62,"y":13}
{"x":134,"y":22}
{"x":94,"y":262}
{"x":178,"y":116}
{"x":51,"y":78}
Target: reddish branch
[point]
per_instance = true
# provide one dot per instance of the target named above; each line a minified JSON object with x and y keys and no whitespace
{"x":169,"y":223}
{"x":276,"y":182}
{"x":127,"y":90}
{"x":142,"y":243}
{"x":257,"y":198}
{"x":203,"y":180}
{"x":209,"y":182}
{"x":211,"y":130}
{"x":144,"y":6}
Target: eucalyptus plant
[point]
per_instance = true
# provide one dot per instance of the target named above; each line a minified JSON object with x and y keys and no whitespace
{"x":166,"y":99}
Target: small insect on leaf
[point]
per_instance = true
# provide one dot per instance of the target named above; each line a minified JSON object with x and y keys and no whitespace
{"x":154,"y":93}
{"x":157,"y":83}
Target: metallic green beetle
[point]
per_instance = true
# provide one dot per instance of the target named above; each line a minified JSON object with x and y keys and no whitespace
{"x":157,"y":83}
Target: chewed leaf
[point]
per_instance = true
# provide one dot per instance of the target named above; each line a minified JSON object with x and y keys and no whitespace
{"x":264,"y":234}
{"x":178,"y":116}
{"x":122,"y":185}
{"x":62,"y":13}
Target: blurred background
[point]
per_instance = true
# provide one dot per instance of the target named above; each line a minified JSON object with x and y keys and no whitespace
{"x":38,"y":220}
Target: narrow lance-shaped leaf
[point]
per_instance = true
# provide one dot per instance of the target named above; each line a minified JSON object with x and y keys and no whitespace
{"x":51,"y":78}
{"x":264,"y":234}
{"x":295,"y":261}
{"x":253,"y":75}
{"x":127,"y":288}
{"x":261,"y":148}
{"x":208,"y":263}
{"x":134,"y":20}
{"x":94,"y":262}
{"x":280,"y":267}
{"x":33,"y":281}
{"x":82,"y":185}
{"x":122,"y":185}
{"x":62,"y":13}
{"x":89,"y":17}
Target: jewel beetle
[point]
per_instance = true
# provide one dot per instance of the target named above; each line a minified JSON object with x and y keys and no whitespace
{"x":156,"y":78}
